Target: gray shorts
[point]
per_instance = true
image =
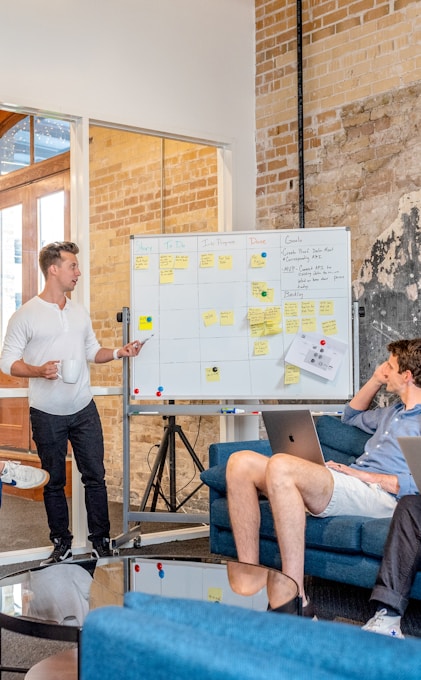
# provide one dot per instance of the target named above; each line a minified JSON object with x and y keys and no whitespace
{"x":351,"y":496}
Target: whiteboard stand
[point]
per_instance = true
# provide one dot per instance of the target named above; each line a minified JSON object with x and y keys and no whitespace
{"x":128,"y":515}
{"x":167,"y":448}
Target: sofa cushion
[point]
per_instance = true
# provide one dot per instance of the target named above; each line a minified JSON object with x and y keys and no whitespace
{"x":235,"y":643}
{"x":340,"y":442}
{"x":373,"y":537}
{"x":337,"y":534}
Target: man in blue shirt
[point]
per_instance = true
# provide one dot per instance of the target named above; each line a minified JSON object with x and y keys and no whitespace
{"x":294,"y":486}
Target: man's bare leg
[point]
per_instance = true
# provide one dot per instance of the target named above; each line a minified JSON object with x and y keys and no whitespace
{"x":293,"y":485}
{"x":246,"y":474}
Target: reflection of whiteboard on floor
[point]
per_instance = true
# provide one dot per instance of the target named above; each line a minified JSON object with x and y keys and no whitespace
{"x":225,"y":310}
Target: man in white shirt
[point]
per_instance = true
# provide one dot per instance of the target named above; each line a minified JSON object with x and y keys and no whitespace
{"x":44,"y":331}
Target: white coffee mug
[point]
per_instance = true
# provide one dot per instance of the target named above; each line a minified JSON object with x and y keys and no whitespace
{"x":69,"y":370}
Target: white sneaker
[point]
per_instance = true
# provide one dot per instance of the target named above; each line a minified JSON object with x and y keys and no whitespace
{"x":384,"y":624}
{"x":23,"y":476}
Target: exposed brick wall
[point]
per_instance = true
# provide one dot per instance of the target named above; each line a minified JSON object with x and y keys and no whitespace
{"x":361,"y":91}
{"x":126,"y":177}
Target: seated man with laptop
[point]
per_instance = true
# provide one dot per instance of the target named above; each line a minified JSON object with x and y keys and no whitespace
{"x":295,"y":485}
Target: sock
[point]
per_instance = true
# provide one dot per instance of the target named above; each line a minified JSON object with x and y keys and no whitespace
{"x":389,"y":610}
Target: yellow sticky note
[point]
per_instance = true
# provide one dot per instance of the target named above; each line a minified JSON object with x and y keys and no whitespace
{"x":141,"y":262}
{"x":257,"y":261}
{"x":291,"y":308}
{"x":292,"y":375}
{"x":270,"y":295}
{"x":326,"y":307}
{"x":309,"y":324}
{"x":226,"y":318}
{"x":308,"y":308}
{"x":210,"y":317}
{"x":214,"y":594}
{"x":166,"y":261}
{"x":272,"y":329}
{"x":145,"y":323}
{"x":212,"y":374}
{"x":257,"y":330}
{"x":255,"y":315}
{"x":292,"y":325}
{"x":261,"y":347}
{"x":329,"y":327}
{"x":272,"y":314}
{"x":181,"y":262}
{"x":207,"y":260}
{"x":166,"y":276}
{"x":259,"y":289}
{"x":225,"y":262}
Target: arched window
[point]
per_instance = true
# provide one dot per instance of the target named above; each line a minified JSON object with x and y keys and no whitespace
{"x":26,"y":140}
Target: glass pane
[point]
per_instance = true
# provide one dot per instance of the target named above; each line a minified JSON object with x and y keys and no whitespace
{"x":50,"y":221}
{"x":11,"y":263}
{"x":51,"y":137}
{"x":15,"y":147}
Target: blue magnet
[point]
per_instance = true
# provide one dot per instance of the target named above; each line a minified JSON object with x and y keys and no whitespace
{"x":264,"y":254}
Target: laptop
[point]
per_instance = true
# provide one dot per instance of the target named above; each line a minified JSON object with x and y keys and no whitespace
{"x":293,"y":432}
{"x":411,"y":449}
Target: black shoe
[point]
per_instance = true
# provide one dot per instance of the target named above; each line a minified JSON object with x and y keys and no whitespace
{"x":101,"y":549}
{"x":62,"y":552}
{"x":307,"y":611}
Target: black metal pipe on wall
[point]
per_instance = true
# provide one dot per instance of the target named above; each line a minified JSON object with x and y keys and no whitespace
{"x":300,"y":117}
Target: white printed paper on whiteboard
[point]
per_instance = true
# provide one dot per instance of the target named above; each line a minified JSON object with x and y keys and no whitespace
{"x":317,"y":354}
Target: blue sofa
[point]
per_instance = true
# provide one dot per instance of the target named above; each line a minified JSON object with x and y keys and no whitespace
{"x":157,"y":638}
{"x":346,"y":549}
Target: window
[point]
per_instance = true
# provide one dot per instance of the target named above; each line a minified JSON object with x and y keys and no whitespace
{"x":30,"y":140}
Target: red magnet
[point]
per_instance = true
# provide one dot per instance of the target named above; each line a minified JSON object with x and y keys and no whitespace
{"x":322,"y":342}
{"x":136,"y":390}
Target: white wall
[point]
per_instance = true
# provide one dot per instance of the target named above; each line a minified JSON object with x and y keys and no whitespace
{"x":183,"y":67}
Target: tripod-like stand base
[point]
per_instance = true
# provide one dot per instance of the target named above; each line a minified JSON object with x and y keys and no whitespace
{"x":167,"y":448}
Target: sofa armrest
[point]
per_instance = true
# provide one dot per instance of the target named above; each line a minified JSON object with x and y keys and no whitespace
{"x":214,"y":476}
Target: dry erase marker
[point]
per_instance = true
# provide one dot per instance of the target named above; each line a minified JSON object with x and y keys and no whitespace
{"x":146,"y":339}
{"x":232,"y":410}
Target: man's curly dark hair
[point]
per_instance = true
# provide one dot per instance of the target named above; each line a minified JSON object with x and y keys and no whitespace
{"x":408,"y":354}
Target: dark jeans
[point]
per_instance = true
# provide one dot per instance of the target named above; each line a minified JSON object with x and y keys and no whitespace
{"x":401,"y":556}
{"x":51,"y":435}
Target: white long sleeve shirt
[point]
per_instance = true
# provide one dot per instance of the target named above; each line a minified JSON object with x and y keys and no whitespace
{"x":40,"y":331}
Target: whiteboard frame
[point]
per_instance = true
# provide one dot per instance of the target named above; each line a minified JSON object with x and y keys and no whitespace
{"x":309,"y":388}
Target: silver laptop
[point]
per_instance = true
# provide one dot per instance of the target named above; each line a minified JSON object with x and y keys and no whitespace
{"x":293,"y":432}
{"x":411,"y":449}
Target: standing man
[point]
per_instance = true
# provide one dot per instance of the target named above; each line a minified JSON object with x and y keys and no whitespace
{"x":369,"y":487}
{"x":44,"y":331}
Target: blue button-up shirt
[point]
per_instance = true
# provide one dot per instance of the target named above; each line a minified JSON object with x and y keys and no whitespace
{"x":382,"y":453}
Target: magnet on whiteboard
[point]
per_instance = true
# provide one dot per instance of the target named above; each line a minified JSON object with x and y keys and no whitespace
{"x":215,"y":369}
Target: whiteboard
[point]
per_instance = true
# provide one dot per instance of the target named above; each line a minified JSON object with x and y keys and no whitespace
{"x":242,"y":315}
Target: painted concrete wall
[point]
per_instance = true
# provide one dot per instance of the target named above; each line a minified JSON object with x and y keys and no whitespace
{"x":183,"y":67}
